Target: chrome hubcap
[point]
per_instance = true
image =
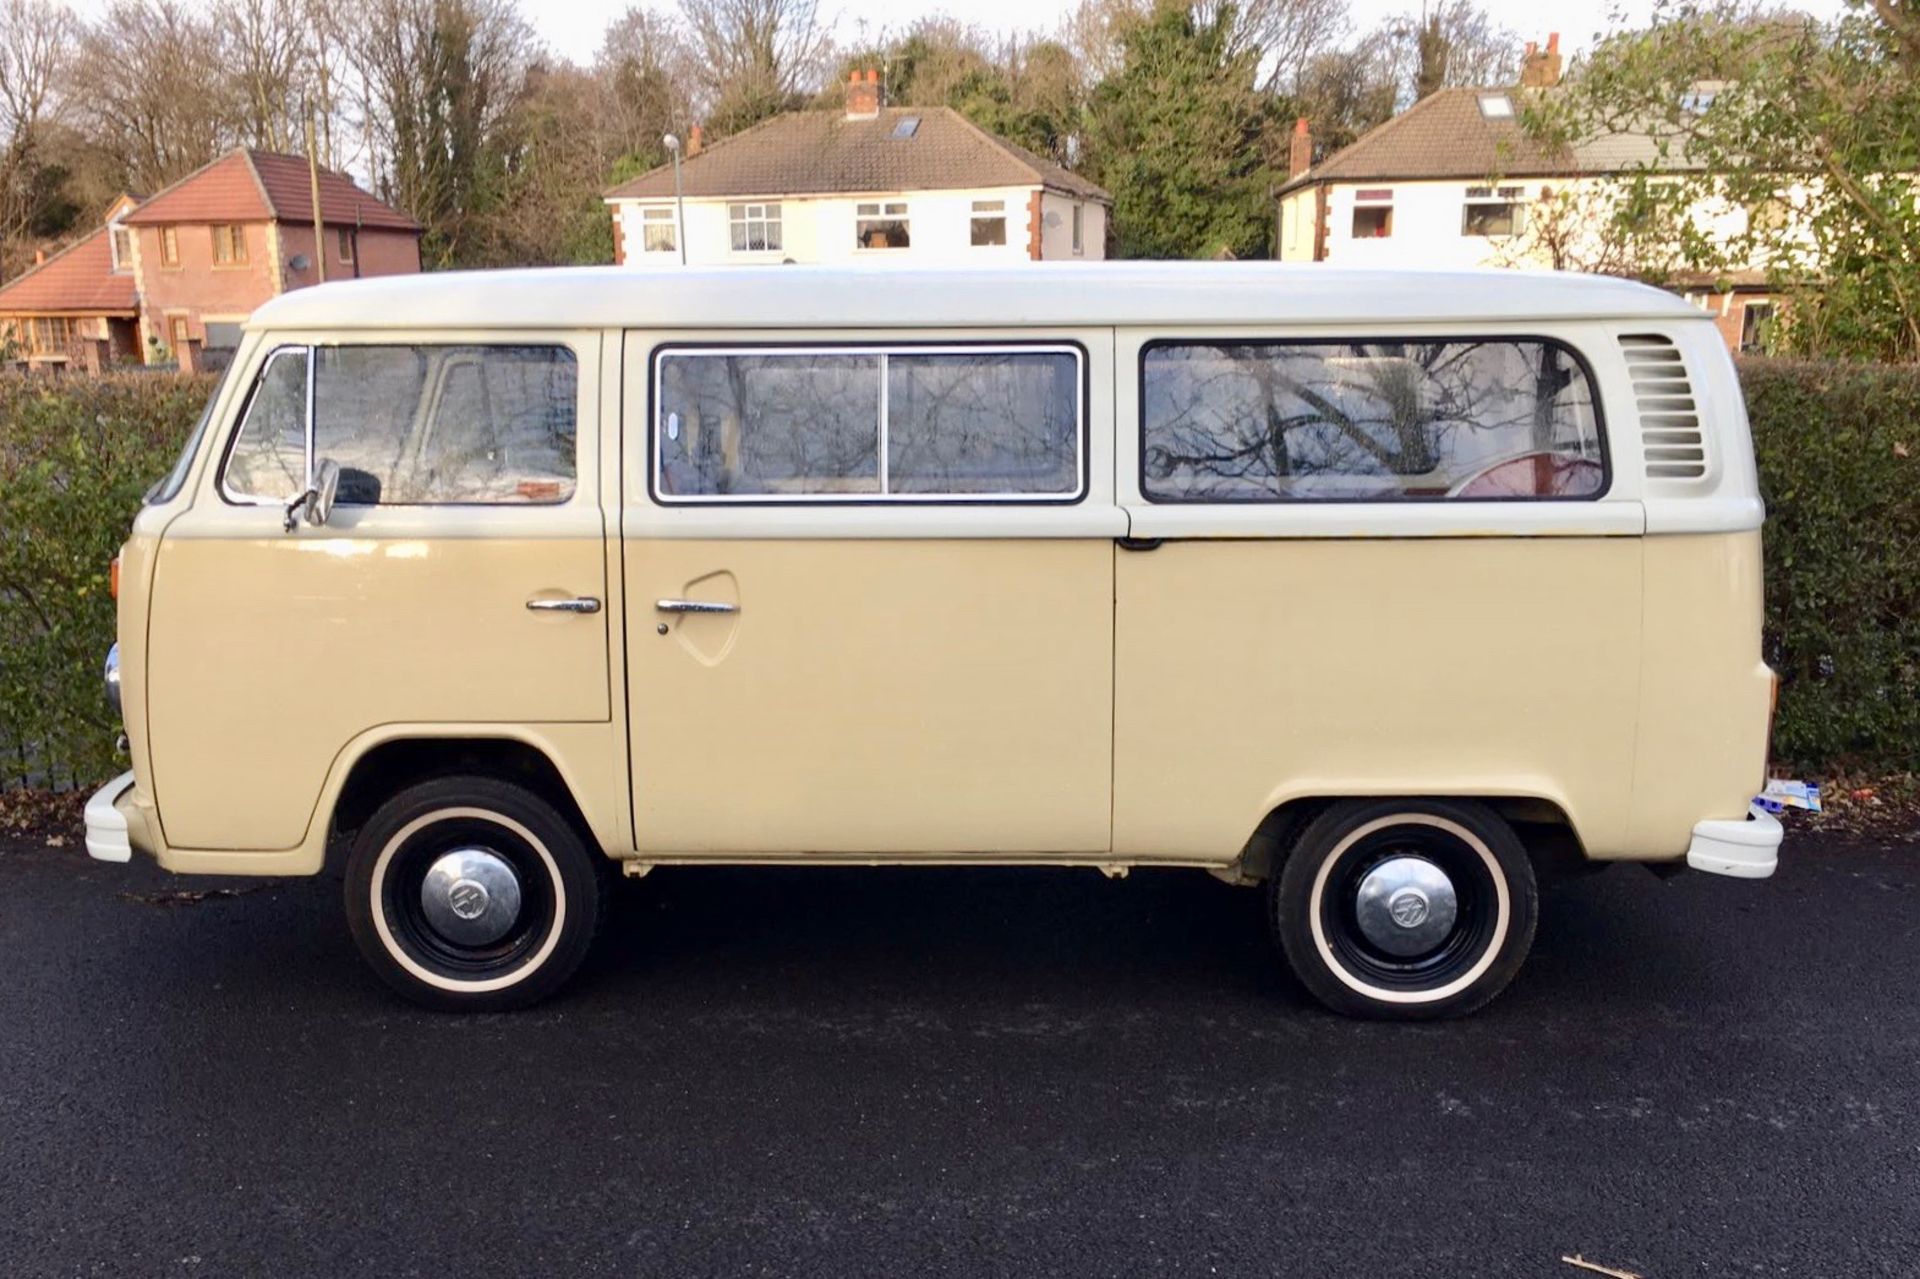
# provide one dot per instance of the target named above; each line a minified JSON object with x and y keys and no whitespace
{"x":1406,"y":906}
{"x":471,"y":897}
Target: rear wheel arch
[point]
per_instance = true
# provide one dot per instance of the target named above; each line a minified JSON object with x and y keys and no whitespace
{"x":1544,"y":827}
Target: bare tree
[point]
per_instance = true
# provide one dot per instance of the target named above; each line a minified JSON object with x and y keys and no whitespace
{"x":158,"y":98}
{"x":1286,"y":33}
{"x":35,"y":41}
{"x":437,"y":86}
{"x":758,"y":56}
{"x":262,"y":44}
{"x":645,"y":73}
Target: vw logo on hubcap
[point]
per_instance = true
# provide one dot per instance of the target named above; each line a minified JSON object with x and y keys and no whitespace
{"x":1408,"y":908}
{"x":468,"y":899}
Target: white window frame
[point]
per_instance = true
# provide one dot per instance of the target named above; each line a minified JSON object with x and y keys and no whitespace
{"x":882,"y":211}
{"x":1514,"y":196}
{"x":764,"y":214}
{"x":122,"y":262}
{"x":985,"y":211}
{"x":659,"y":218}
{"x":1081,"y":445}
{"x":1079,"y":228}
{"x":1373,"y":198}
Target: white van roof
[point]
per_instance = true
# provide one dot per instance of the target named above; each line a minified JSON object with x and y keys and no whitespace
{"x":1061,"y":294}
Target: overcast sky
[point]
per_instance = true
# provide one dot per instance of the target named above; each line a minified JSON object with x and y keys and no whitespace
{"x":574,"y":27}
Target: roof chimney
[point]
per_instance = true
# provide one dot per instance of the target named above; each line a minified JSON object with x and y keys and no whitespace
{"x":39,"y":257}
{"x":863,"y":95}
{"x":696,"y":138}
{"x":1300,"y":148}
{"x":1540,"y":68}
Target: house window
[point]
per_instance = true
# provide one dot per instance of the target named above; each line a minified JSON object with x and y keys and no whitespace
{"x":1491,"y":211}
{"x":1372,"y":214}
{"x":1368,"y":421}
{"x":1756,"y":328}
{"x":1079,"y":229}
{"x":347,"y":238}
{"x":755,"y":227}
{"x":1496,"y":106}
{"x":229,"y":245}
{"x":169,"y":246}
{"x":52,"y":334}
{"x":122,"y":241}
{"x":869,"y":424}
{"x":177,"y":331}
{"x":880,"y":226}
{"x":989,"y":223}
{"x":658,"y":233}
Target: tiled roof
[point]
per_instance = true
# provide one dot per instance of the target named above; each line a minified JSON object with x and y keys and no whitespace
{"x":254,"y":186}
{"x":78,"y":280}
{"x":825,"y":152}
{"x":1448,"y":135}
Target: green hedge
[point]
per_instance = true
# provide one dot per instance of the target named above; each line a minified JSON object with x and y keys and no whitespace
{"x":1839,"y":450}
{"x":76,"y":454}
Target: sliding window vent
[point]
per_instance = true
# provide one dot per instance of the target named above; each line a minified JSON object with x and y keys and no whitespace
{"x":1670,"y":432}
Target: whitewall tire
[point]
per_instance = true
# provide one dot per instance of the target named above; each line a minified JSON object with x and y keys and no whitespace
{"x":472,"y":894}
{"x":1405,"y":909}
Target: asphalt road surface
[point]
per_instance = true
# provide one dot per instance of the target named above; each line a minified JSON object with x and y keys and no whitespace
{"x":895,"y":1073}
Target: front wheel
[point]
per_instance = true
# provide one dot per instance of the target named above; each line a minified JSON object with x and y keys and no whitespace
{"x":472,"y":894}
{"x":1405,"y":909}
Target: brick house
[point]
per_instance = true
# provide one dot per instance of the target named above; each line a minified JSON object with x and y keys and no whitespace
{"x":176,"y":274}
{"x":871,"y":183}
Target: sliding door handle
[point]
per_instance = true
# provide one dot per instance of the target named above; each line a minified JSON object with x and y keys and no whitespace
{"x":695,"y":606}
{"x":579,"y":604}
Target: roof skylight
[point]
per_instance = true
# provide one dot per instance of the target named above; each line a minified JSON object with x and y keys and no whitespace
{"x":1496,"y":106}
{"x":907,"y":127}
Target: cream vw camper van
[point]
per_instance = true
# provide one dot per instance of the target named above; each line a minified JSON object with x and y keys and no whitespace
{"x":1391,"y":592}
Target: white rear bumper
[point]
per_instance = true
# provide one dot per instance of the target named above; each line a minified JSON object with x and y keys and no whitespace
{"x":1748,"y":849}
{"x":107,"y":839}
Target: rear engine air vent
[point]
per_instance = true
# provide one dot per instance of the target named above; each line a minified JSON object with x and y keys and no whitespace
{"x":1669,"y":418}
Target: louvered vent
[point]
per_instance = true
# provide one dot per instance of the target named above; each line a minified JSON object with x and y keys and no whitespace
{"x":1669,"y":418}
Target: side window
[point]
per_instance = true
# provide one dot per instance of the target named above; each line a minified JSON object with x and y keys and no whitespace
{"x":413,"y":425}
{"x":269,"y":457}
{"x":911,"y":424}
{"x":1368,"y":421}
{"x":502,"y":429}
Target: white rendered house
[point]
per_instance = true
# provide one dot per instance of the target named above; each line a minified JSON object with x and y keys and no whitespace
{"x":915,"y":186}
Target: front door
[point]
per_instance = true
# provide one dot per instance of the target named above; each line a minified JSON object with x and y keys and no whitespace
{"x":469,"y":491}
{"x":870,"y":594}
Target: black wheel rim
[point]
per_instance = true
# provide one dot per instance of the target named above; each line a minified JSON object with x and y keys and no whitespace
{"x":406,"y":918}
{"x":1476,"y":920}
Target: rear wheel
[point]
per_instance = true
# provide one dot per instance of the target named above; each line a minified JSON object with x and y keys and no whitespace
{"x":472,"y":894}
{"x":1405,"y":909}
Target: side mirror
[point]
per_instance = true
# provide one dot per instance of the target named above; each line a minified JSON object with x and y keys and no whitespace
{"x":316,"y":504}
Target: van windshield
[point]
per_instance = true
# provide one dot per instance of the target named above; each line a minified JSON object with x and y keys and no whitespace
{"x":169,"y":485}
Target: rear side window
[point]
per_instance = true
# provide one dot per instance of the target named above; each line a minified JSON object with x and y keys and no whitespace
{"x":1368,"y":421}
{"x":413,"y":425}
{"x":868,"y":424}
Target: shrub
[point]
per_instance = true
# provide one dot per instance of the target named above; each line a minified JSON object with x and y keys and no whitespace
{"x":1839,"y":453}
{"x":75,"y":457}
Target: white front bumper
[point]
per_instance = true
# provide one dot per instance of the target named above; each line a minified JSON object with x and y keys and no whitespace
{"x":1748,"y":849}
{"x":106,"y":829}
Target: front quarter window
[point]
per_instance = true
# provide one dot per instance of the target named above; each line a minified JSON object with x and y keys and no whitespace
{"x":269,"y":458}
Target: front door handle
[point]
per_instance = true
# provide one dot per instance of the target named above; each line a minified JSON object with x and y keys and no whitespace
{"x":695,"y":606}
{"x":578,"y":604}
